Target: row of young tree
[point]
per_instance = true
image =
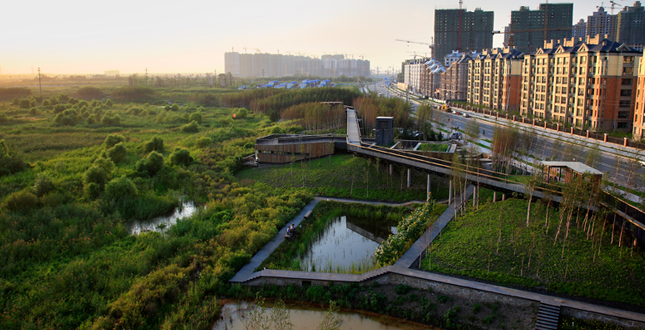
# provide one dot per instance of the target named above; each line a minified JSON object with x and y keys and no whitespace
{"x":316,"y":116}
{"x":372,"y":106}
{"x":272,"y":101}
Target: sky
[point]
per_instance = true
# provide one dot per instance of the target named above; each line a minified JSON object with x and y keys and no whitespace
{"x":83,"y":37}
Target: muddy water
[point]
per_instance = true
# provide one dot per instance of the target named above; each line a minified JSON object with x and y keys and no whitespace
{"x":307,"y":317}
{"x":185,"y":210}
{"x":346,"y":244}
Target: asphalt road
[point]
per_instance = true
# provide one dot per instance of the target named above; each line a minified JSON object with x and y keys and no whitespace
{"x":630,"y":173}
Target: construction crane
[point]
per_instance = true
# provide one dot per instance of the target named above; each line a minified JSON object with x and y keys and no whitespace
{"x":430,"y":45}
{"x":612,"y":6}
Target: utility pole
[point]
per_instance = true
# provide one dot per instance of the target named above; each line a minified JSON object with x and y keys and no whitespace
{"x":39,"y":84}
{"x":146,"y":76}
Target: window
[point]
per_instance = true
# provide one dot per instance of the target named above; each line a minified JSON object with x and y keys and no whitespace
{"x":621,"y":125}
{"x":625,"y":92}
{"x":628,"y":70}
{"x":628,"y":59}
{"x":623,"y":114}
{"x":625,"y":103}
{"x":626,"y":82}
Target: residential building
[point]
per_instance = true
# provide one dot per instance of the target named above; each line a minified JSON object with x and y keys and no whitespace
{"x":452,"y":58}
{"x":602,"y":23}
{"x":579,"y":29}
{"x":494,"y":79}
{"x":454,"y":82}
{"x":279,"y":65}
{"x":638,"y":130}
{"x":412,"y":73}
{"x":586,"y":83}
{"x":461,"y":30}
{"x":631,"y":25}
{"x":431,"y":76}
{"x":530,"y":28}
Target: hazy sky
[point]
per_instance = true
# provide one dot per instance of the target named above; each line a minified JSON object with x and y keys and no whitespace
{"x":192,"y":36}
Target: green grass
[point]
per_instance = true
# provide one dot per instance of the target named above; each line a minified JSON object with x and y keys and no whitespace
{"x":472,"y":246}
{"x":333,"y":177}
{"x":434,"y":147}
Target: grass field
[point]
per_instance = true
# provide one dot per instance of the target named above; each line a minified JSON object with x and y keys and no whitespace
{"x":349,"y":177}
{"x":493,"y":243}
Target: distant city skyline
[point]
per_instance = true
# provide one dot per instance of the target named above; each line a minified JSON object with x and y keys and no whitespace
{"x":74,"y":37}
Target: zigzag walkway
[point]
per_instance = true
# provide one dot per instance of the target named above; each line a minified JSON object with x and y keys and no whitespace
{"x":402,"y":267}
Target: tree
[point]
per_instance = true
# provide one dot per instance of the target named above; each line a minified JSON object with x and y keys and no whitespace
{"x":112,"y":139}
{"x":42,"y":185}
{"x":197,"y":117}
{"x":534,"y":181}
{"x":155,"y":144}
{"x":117,"y":153}
{"x":181,"y":157}
{"x":95,"y":174}
{"x":472,"y":129}
{"x":593,"y":155}
{"x":120,"y":189}
{"x":192,"y":127}
{"x":20,"y":201}
{"x":154,"y":162}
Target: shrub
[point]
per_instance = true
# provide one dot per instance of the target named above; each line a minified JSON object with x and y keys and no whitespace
{"x":106,"y":164}
{"x":95,"y":174}
{"x":24,"y":103}
{"x":111,"y":119}
{"x":109,"y":103}
{"x":180,"y":157}
{"x":203,"y":142}
{"x":156,"y":144}
{"x":10,"y":161}
{"x":402,"y":289}
{"x":47,"y":103}
{"x":120,"y":189}
{"x":174,"y":107}
{"x":33,"y":111}
{"x":89,"y":92}
{"x":197,"y":116}
{"x":42,"y":185}
{"x":118,"y":152}
{"x":72,"y":100}
{"x":91,"y":119}
{"x":92,"y":190}
{"x":192,"y":127}
{"x":20,"y":200}
{"x":132,"y":94}
{"x":3,"y":118}
{"x":112,"y":139}
{"x":151,"y":165}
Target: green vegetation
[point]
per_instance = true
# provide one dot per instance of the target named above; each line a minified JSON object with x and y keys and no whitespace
{"x":348,"y":177}
{"x":408,"y":231}
{"x":71,"y":187}
{"x":494,"y":243}
{"x":570,"y":323}
{"x":286,"y":256}
{"x":434,"y":147}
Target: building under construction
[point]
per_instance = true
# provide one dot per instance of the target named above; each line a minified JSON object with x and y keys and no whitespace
{"x":465,"y":31}
{"x":279,"y":65}
{"x":530,"y":28}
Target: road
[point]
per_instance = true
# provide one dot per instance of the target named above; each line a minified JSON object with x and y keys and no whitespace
{"x":630,"y":172}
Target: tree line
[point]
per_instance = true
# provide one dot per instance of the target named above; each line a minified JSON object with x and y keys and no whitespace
{"x":372,"y":106}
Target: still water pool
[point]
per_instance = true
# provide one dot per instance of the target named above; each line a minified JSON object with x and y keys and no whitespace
{"x":161,"y":223}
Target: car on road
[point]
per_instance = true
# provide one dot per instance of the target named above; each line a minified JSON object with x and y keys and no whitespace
{"x":466,"y":115}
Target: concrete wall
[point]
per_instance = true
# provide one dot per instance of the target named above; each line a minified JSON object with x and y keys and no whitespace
{"x":589,"y":316}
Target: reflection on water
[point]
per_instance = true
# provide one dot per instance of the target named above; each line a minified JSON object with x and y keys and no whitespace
{"x":185,"y":210}
{"x":306,"y":317}
{"x":346,"y":244}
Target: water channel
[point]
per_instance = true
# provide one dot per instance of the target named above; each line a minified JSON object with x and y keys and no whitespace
{"x":161,"y":223}
{"x":346,"y":244}
{"x":305,"y":317}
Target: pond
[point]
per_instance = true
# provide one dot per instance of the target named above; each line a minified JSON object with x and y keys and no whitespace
{"x":161,"y":223}
{"x":306,"y":317}
{"x":346,"y":244}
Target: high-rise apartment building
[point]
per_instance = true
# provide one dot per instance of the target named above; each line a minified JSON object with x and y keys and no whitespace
{"x":494,"y":79}
{"x":631,"y":25}
{"x":530,"y":28}
{"x":412,"y":73}
{"x":579,"y":29}
{"x":602,"y":23}
{"x":279,"y":65}
{"x":431,"y":77}
{"x":461,"y":30}
{"x":585,"y":83}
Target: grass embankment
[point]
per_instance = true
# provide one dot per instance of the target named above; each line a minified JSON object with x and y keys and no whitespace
{"x":287,"y":255}
{"x":434,"y":147}
{"x":348,"y":177}
{"x":494,"y":243}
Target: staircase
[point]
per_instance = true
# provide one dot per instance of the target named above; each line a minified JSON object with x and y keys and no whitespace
{"x":547,"y":318}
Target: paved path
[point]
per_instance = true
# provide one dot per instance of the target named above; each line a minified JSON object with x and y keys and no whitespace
{"x":353,"y":133}
{"x":419,"y":247}
{"x":247,"y":271}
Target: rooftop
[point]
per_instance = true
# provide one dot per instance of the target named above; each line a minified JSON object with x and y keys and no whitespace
{"x":576,"y":166}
